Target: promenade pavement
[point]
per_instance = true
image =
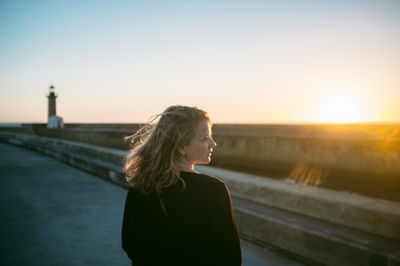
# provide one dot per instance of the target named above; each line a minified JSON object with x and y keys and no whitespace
{"x":53,"y":214}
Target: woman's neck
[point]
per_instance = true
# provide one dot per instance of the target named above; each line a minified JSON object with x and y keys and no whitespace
{"x":188,"y":168}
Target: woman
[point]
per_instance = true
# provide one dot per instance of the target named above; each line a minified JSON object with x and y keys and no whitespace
{"x":173,"y":214}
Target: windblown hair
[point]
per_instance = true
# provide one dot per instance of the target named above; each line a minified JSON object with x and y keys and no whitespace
{"x":153,"y":162}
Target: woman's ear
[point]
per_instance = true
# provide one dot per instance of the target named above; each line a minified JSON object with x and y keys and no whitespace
{"x":181,"y":150}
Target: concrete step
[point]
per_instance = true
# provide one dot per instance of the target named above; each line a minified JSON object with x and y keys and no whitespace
{"x":312,"y":240}
{"x":93,"y":159}
{"x":302,"y":237}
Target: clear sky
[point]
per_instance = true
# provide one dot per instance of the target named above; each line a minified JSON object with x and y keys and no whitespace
{"x":242,"y":61}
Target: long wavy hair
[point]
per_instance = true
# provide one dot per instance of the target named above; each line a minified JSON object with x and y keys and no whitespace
{"x":153,"y":161}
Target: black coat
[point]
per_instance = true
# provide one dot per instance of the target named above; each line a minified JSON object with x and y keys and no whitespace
{"x":203,"y":231}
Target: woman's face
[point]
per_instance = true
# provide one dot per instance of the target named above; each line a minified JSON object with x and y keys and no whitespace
{"x":201,"y":146}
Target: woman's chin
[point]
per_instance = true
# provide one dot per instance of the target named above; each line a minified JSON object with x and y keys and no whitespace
{"x":207,"y":161}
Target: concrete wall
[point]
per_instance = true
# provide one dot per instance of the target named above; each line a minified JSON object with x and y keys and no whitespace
{"x":365,"y":149}
{"x":112,"y":137}
{"x":105,"y":135}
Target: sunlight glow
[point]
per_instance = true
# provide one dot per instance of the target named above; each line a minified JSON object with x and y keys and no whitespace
{"x":341,"y":109}
{"x":342,"y":105}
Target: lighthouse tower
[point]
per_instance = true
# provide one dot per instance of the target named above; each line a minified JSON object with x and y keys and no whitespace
{"x":53,"y":121}
{"x":52,"y":102}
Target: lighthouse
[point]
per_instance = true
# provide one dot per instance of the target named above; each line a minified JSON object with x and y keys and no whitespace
{"x":53,"y":121}
{"x":52,"y":102}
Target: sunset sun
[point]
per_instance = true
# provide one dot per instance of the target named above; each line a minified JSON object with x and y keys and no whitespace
{"x":341,"y":110}
{"x":341,"y":107}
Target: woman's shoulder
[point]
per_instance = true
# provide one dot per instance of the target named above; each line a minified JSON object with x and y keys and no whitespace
{"x":202,"y":179}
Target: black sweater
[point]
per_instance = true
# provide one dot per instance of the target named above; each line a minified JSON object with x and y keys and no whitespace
{"x":203,"y":231}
